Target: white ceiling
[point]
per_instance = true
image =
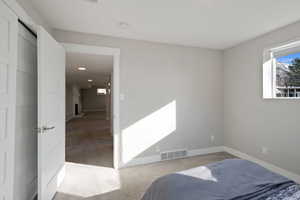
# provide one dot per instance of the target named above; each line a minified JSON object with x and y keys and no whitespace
{"x":99,"y":69}
{"x":215,"y":24}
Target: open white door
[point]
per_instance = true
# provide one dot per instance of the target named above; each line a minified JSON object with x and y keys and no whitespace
{"x":51,"y":115}
{"x":8,"y":70}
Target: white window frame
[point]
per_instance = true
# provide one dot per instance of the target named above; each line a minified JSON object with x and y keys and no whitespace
{"x":269,"y":69}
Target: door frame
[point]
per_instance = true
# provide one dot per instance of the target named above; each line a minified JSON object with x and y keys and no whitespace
{"x":115,"y":52}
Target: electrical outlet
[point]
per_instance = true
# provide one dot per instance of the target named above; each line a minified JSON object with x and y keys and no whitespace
{"x":122,"y":97}
{"x":264,"y":150}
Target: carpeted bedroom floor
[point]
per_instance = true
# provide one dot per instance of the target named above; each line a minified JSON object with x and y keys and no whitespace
{"x":104,"y":183}
{"x":89,"y":169}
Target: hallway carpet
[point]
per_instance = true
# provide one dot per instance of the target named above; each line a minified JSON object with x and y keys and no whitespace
{"x":89,"y":141}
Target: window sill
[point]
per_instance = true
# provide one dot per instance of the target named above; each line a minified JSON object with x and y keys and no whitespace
{"x":284,"y":98}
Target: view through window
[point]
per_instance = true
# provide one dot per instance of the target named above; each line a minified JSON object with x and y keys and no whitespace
{"x":101,"y":91}
{"x":288,"y":75}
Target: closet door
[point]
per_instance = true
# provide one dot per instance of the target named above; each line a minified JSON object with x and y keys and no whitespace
{"x":8,"y":69}
{"x":51,"y":115}
{"x":25,"y":181}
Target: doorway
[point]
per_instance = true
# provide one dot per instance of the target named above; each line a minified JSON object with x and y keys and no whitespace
{"x":76,"y":109}
{"x":92,"y":136}
{"x":89,"y":140}
{"x":112,"y":88}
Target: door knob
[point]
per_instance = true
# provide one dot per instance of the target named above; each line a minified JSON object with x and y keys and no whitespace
{"x":45,"y":128}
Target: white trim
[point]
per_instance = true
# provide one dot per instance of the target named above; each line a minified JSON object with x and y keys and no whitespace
{"x":156,"y":158}
{"x":92,"y":110}
{"x":115,"y":52}
{"x":269,"y":166}
{"x":268,"y":75}
{"x":89,"y":49}
{"x":286,"y":45}
{"x":8,"y":104}
{"x":269,"y":68}
{"x":142,"y":161}
{"x":198,"y":152}
{"x":286,"y":98}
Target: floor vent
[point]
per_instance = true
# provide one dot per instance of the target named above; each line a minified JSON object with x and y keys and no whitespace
{"x":173,"y":154}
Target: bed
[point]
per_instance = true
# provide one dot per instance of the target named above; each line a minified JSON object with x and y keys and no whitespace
{"x":231,"y":179}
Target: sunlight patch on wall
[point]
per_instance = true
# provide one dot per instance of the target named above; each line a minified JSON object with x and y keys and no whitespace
{"x":148,"y":131}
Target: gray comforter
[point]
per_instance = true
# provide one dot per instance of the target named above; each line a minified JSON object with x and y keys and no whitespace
{"x":232,"y":179}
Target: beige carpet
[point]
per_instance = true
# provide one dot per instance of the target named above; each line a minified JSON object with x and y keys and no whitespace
{"x":88,"y":140}
{"x":89,"y":172}
{"x":104,"y":183}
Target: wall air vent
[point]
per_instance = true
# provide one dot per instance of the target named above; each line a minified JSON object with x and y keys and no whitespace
{"x":170,"y":155}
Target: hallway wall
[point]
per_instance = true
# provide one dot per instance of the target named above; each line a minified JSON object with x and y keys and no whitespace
{"x":91,"y":101}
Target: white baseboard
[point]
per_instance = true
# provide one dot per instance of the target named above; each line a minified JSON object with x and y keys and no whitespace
{"x":197,"y":152}
{"x":93,"y":110}
{"x":271,"y":167}
{"x":142,"y":161}
{"x":156,"y":158}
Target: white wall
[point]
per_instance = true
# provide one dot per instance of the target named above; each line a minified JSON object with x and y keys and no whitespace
{"x":154,"y":75}
{"x":91,"y":101}
{"x":193,"y":78}
{"x":26,"y":118}
{"x":252,"y":122}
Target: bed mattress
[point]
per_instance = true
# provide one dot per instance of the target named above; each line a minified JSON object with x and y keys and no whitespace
{"x":231,"y":179}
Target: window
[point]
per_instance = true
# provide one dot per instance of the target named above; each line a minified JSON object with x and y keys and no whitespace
{"x":281,"y":71}
{"x":288,"y":75}
{"x":101,"y":91}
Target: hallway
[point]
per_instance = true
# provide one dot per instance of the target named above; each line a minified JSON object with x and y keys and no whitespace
{"x":89,"y":141}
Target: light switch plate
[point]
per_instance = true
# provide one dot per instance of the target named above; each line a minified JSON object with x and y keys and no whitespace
{"x":122,"y":97}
